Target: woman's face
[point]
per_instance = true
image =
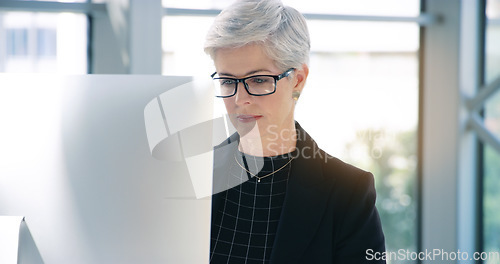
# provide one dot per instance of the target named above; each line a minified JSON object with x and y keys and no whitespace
{"x":269,"y":116}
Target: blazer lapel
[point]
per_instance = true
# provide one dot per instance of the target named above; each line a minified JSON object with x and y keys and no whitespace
{"x":305,"y":202}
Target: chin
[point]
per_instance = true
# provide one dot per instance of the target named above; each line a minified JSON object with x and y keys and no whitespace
{"x":250,"y":130}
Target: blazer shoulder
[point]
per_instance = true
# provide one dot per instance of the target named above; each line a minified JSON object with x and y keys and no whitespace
{"x":357,"y":226}
{"x":342,"y":172}
{"x":353,"y":189}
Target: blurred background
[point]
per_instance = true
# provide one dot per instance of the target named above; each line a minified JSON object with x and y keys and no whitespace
{"x":389,"y":89}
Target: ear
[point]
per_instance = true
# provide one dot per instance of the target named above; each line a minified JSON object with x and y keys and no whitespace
{"x":301,"y":77}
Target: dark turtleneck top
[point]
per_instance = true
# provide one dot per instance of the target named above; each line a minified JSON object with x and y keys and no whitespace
{"x":245,"y":225}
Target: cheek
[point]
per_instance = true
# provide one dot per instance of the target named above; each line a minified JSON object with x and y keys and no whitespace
{"x":285,"y":97}
{"x":229,"y":104}
{"x":285,"y":91}
{"x":279,"y":105}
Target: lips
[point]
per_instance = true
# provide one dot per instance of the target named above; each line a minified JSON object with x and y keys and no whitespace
{"x":248,"y":118}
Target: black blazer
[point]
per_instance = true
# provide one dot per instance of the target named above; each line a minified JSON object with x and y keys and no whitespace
{"x":329,"y":213}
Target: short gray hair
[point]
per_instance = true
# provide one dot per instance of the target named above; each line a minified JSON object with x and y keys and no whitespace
{"x":281,"y":30}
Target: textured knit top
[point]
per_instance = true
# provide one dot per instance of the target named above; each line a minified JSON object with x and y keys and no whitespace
{"x":245,"y":225}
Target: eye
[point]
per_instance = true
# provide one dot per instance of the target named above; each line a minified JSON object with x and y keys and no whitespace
{"x":259,"y":80}
{"x":225,"y":82}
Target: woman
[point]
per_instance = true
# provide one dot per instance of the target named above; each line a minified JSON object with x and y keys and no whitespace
{"x":293,"y":202}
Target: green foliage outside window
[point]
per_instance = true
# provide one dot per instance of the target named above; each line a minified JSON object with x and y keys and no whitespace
{"x":392,"y":158}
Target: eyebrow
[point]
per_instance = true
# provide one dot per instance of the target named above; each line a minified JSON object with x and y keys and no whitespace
{"x":247,"y":74}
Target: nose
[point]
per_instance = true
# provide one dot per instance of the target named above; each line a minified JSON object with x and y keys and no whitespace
{"x":242,"y":97}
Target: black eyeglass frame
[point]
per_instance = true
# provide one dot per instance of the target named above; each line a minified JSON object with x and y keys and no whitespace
{"x":243,"y":80}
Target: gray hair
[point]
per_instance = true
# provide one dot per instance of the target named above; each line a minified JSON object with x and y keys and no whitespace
{"x":281,"y":30}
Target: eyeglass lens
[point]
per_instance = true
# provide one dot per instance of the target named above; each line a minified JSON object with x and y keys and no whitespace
{"x":257,"y":85}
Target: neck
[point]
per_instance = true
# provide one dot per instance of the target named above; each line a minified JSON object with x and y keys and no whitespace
{"x":270,"y":144}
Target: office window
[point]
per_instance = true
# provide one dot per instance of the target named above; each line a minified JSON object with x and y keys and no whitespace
{"x":17,"y":42}
{"x":340,"y":7}
{"x":183,"y":53}
{"x":491,"y":157}
{"x":46,"y":42}
{"x":363,"y":89}
{"x":43,"y":42}
{"x":63,"y":1}
{"x":360,"y":102}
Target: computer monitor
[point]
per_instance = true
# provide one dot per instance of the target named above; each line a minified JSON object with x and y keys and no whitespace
{"x":77,"y":163}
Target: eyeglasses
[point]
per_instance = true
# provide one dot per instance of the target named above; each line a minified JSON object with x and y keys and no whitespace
{"x":256,"y":85}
